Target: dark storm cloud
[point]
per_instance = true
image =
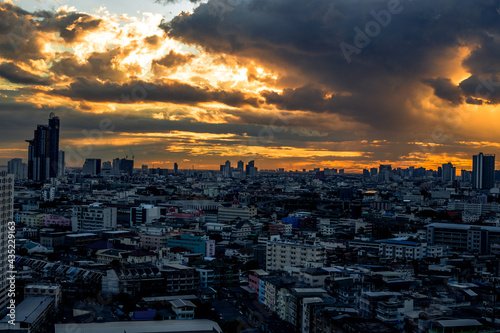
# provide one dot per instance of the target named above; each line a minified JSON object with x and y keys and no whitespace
{"x":14,"y":74}
{"x":169,"y":92}
{"x":70,"y":26}
{"x":485,"y":88}
{"x":306,"y":98}
{"x":22,"y":33}
{"x":445,"y":89}
{"x":173,"y":59}
{"x":97,"y":65}
{"x":380,"y":79}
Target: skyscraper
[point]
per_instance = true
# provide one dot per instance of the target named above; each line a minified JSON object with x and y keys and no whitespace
{"x":7,"y":208}
{"x":62,"y":164}
{"x":43,"y":151}
{"x":448,"y":172}
{"x":19,"y":169}
{"x":250,"y":169}
{"x":483,"y":171}
{"x":92,"y":166}
{"x":176,"y":168}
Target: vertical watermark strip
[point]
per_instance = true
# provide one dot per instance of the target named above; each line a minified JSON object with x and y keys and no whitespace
{"x":11,"y":272}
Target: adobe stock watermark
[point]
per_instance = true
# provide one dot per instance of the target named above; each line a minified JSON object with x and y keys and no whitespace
{"x":372,"y":29}
{"x":11,"y":277}
{"x":485,"y":88}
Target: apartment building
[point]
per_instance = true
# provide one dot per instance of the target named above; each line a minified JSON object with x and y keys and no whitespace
{"x":281,"y":254}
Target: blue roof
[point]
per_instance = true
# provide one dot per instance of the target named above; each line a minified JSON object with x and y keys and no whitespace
{"x":144,"y":315}
{"x":399,"y":242}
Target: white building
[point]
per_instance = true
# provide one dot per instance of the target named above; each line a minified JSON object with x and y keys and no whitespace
{"x":400,"y":249}
{"x":281,"y":254}
{"x":144,"y":214}
{"x":93,"y":217}
{"x":229,"y":214}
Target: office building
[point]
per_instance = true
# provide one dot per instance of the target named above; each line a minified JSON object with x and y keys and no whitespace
{"x":126,"y":166}
{"x":93,"y":217}
{"x":17,"y":168}
{"x":195,"y":244}
{"x":251,"y":169}
{"x":61,"y":170}
{"x":463,"y":237}
{"x":240,"y":166}
{"x":226,"y":169}
{"x":448,"y":172}
{"x":176,"y":168}
{"x":43,"y":151}
{"x":143,"y":214}
{"x":92,"y":167}
{"x":483,"y":171}
{"x":230,"y":214}
{"x":7,"y":208}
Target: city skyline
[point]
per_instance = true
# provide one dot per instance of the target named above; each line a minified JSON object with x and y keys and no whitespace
{"x":292,"y":84}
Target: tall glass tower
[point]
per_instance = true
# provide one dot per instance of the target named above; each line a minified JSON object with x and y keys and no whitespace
{"x":43,"y":151}
{"x":483,"y":171}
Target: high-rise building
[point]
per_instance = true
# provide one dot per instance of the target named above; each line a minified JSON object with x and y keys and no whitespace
{"x":483,"y":171}
{"x":176,"y":168}
{"x":61,"y":170}
{"x":241,"y":166}
{"x":116,"y":166}
{"x":43,"y":151}
{"x":250,"y":169}
{"x":92,"y":166}
{"x":106,"y":165}
{"x":123,"y":165}
{"x":448,"y":172}
{"x":17,"y":168}
{"x":226,"y":169}
{"x":7,"y":208}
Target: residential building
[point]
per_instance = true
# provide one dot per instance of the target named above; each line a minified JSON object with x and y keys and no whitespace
{"x":281,"y":254}
{"x":93,"y":217}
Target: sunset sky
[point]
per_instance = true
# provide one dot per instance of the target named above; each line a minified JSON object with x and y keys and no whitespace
{"x":288,"y":83}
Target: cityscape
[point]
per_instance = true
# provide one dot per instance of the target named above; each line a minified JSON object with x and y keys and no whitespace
{"x":246,"y":166}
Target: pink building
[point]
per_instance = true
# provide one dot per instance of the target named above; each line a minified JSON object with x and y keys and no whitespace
{"x":254,"y":278}
{"x":51,"y":220}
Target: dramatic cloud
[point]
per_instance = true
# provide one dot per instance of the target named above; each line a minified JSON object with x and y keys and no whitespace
{"x":333,"y":82}
{"x":445,"y":89}
{"x":15,"y":74}
{"x":137,"y":91}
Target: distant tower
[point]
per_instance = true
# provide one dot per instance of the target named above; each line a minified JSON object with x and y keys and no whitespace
{"x":61,"y":170}
{"x":43,"y":151}
{"x":176,"y":168}
{"x":483,"y":171}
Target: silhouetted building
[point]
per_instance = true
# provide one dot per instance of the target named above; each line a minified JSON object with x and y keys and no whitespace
{"x":19,"y":169}
{"x":43,"y":151}
{"x":126,"y":166}
{"x":250,"y":169}
{"x":92,"y":167}
{"x":176,"y":168}
{"x":483,"y":171}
